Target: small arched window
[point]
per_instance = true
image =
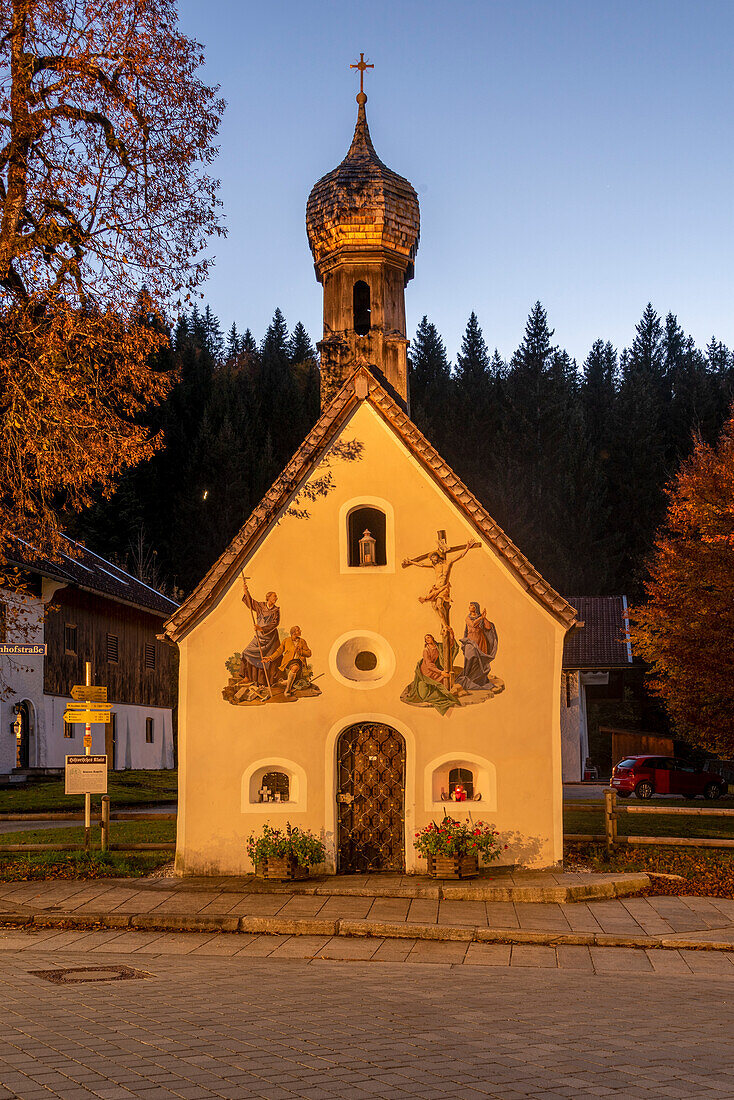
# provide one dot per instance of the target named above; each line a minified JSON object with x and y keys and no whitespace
{"x":463,"y":777}
{"x":361,"y":308}
{"x":367,"y":525}
{"x":275,"y":787}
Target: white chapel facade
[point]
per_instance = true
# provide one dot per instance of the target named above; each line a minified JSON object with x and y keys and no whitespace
{"x":370,"y":640}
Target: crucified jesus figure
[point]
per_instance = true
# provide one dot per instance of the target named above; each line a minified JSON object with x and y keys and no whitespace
{"x":441,"y":562}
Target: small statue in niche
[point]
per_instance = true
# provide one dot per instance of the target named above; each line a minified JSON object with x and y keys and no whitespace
{"x":264,"y":793}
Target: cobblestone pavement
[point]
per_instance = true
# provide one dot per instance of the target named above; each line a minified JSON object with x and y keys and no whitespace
{"x":701,"y":918}
{"x":555,"y":1022}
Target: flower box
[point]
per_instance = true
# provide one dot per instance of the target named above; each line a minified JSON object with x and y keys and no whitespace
{"x":284,"y":855}
{"x":453,"y":866}
{"x":283,"y":869}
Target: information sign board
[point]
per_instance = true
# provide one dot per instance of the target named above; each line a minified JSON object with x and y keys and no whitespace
{"x":85,"y":716}
{"x":86,"y":775}
{"x":89,"y":693}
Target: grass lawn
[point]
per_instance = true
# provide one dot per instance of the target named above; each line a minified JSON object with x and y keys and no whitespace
{"x":127,"y":788}
{"x":705,"y":871}
{"x":74,"y":865}
{"x":122,"y":832}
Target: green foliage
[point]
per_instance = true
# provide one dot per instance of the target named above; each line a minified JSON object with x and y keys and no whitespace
{"x":301,"y":844}
{"x":458,"y":838}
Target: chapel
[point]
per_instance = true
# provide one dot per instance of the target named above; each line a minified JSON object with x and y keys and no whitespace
{"x":372,"y":651}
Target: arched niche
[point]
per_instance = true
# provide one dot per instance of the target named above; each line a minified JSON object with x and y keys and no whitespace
{"x":252,"y":782}
{"x":357,"y":514}
{"x":484,"y":783}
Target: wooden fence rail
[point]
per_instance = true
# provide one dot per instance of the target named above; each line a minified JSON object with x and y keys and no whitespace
{"x":612,"y":809}
{"x":104,"y":818}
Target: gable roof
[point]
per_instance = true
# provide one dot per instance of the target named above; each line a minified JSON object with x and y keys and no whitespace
{"x":85,"y":569}
{"x":601,"y":640}
{"x":360,"y":386}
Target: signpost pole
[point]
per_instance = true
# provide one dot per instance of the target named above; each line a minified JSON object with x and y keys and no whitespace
{"x":87,"y":752}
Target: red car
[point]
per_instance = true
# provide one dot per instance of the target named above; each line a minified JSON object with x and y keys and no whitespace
{"x":648,"y":775}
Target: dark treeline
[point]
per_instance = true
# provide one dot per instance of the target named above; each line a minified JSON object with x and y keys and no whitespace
{"x":571,"y":461}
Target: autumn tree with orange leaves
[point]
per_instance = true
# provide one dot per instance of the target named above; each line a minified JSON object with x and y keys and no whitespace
{"x":106,"y":135}
{"x":686,"y":630}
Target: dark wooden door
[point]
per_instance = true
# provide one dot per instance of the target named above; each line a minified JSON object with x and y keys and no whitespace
{"x":370,"y":799}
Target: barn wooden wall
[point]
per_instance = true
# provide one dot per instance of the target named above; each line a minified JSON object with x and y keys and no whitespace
{"x":127,"y":681}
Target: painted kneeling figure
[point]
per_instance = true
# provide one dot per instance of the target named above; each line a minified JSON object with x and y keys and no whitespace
{"x":291,"y":657}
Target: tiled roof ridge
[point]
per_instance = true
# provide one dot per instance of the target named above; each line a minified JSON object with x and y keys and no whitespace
{"x":317,"y":440}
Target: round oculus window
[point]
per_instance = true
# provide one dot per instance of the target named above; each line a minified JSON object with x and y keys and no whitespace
{"x":362,"y":659}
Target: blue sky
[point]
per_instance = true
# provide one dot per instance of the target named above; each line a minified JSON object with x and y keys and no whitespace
{"x":577,"y":152}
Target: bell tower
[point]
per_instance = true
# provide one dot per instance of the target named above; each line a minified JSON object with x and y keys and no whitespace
{"x":363,"y":224}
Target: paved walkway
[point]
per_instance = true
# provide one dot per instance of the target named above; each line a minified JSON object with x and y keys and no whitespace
{"x":558,"y":1024}
{"x":642,"y":922}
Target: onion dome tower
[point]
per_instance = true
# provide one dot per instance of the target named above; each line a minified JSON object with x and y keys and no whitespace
{"x":363,"y":225}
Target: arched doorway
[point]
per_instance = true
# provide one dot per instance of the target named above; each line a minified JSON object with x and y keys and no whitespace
{"x":370,"y":770}
{"x":23,"y":737}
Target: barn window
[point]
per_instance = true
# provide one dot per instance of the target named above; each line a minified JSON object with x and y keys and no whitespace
{"x":68,"y":729}
{"x":149,"y":731}
{"x":150,"y":654}
{"x":372,"y":522}
{"x":362,"y":311}
{"x":70,"y":639}
{"x":463,"y":777}
{"x":112,"y":648}
{"x":275,"y":787}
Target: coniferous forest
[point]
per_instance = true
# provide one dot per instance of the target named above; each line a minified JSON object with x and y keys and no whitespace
{"x":570,"y":459}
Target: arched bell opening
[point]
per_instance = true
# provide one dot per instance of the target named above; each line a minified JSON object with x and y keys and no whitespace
{"x":362,"y":312}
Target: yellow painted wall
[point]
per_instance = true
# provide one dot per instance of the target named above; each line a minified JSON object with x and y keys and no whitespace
{"x":514,"y":738}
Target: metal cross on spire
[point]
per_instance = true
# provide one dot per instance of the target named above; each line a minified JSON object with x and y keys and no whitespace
{"x":361,"y":65}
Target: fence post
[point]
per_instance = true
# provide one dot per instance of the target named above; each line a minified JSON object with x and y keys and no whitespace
{"x":610,"y":818}
{"x":105,"y":822}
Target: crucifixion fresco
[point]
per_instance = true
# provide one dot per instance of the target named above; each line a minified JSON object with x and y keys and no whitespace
{"x":438,"y":682}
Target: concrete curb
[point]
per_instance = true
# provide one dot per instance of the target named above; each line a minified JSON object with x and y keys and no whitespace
{"x":281,"y":926}
{"x":616,"y":886}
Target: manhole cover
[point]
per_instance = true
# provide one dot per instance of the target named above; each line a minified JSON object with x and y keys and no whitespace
{"x":71,"y":974}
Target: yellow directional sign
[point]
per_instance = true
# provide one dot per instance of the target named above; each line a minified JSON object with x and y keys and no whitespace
{"x":89,"y":693}
{"x":88,"y":716}
{"x":87,"y":706}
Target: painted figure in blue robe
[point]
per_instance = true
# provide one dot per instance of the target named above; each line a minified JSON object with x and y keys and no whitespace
{"x":480,"y":648}
{"x":265,"y":641}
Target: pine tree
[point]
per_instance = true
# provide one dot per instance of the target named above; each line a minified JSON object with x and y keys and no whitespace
{"x":598,"y":393}
{"x":304,"y":365}
{"x":278,"y":394}
{"x":234,"y":343}
{"x":637,"y":464}
{"x":429,"y":382}
{"x":213,"y":339}
{"x":472,"y":362}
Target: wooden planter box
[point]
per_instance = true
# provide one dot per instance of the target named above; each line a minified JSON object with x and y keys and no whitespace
{"x":281,"y":870}
{"x":453,"y":866}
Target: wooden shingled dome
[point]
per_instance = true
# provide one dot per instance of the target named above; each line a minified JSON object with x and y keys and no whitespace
{"x":362,"y":206}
